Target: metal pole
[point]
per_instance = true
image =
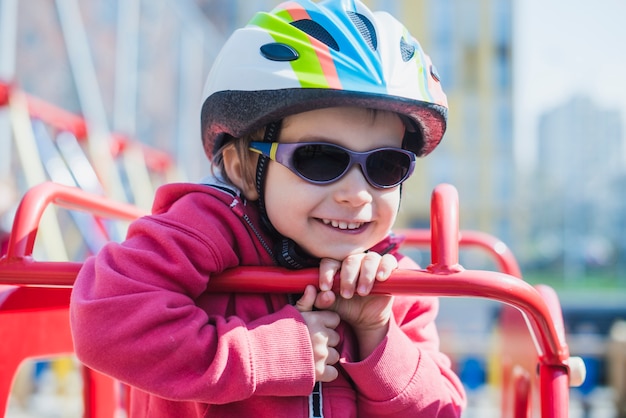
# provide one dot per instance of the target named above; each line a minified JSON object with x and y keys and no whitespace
{"x":200,"y":41}
{"x":89,"y":96}
{"x":125,"y":100}
{"x":190,"y":81}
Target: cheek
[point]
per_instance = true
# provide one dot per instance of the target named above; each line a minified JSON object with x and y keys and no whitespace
{"x":389,"y":202}
{"x":285,"y":196}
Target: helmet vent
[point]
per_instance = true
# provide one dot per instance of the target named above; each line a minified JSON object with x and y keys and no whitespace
{"x":407,"y":50}
{"x":317,"y":31}
{"x":279,"y":52}
{"x":366,"y":28}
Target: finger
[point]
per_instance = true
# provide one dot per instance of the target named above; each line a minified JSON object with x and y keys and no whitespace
{"x":329,"y":319}
{"x":333,"y":357}
{"x":330,"y":374}
{"x":305,"y":303}
{"x":328,"y":270}
{"x":325,"y":300}
{"x":349,"y":273}
{"x":388,"y":264}
{"x":367,"y":275}
{"x":333,"y":339}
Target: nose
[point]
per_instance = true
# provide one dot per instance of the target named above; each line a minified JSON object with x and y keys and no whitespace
{"x":353,"y":188}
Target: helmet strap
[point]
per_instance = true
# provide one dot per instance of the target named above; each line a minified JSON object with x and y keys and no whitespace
{"x":290,"y":255}
{"x":271,"y":135}
{"x":287,"y":252}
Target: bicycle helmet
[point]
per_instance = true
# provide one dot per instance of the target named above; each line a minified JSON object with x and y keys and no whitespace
{"x":305,"y":55}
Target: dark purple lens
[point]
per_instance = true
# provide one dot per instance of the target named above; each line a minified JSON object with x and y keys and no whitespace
{"x":387,"y":167}
{"x":320,"y":162}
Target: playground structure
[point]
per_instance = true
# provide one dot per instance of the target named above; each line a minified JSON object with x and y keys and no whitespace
{"x":35,"y":299}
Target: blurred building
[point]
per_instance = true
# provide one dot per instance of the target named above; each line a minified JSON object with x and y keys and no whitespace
{"x":470,"y":42}
{"x":579,"y":222}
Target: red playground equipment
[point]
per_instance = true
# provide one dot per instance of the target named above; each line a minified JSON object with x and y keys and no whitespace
{"x":34,"y":298}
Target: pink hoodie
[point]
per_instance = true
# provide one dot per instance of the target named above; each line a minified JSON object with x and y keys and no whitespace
{"x":140,"y":313}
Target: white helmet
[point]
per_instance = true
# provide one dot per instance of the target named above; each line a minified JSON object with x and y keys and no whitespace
{"x":304,"y":55}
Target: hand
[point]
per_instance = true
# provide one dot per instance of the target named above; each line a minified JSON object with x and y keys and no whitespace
{"x":357,"y":272}
{"x":368,"y":315}
{"x":324,"y":338}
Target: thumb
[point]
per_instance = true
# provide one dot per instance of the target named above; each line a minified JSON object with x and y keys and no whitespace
{"x":325,"y":300}
{"x":305,"y":303}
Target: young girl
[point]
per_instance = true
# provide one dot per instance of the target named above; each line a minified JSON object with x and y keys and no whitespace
{"x":313,"y":117}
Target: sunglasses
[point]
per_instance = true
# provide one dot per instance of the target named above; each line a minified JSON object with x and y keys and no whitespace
{"x":323,"y":163}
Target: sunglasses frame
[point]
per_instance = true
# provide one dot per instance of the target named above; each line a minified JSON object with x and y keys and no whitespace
{"x":282,"y":153}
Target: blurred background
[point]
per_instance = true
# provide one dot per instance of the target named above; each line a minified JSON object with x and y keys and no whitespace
{"x":536,"y":140}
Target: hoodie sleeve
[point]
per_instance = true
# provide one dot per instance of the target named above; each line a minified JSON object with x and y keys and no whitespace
{"x":407,"y":375}
{"x":134,"y":316}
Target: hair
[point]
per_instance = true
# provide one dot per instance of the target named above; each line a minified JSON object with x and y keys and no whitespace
{"x":243,"y":152}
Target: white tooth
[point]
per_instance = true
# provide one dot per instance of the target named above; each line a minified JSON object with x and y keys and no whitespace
{"x":342,"y":224}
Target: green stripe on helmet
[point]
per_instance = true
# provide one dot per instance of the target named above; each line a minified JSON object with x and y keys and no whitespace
{"x":307,"y":68}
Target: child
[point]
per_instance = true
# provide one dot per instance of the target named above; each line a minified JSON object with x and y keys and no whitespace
{"x":313,"y":116}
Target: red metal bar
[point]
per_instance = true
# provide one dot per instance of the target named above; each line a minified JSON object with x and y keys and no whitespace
{"x":28,"y":272}
{"x":98,"y":387}
{"x":34,"y":323}
{"x":522,"y":393}
{"x":502,"y":254}
{"x":444,"y":225}
{"x":470,"y":283}
{"x":554,"y":390}
{"x":37,"y":199}
{"x":46,"y":331}
{"x":4,"y":93}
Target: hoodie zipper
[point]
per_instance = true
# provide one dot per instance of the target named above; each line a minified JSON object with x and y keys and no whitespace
{"x":236,"y":208}
{"x":315,"y":398}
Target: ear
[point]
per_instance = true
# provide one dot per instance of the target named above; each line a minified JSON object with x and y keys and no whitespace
{"x":235,"y":170}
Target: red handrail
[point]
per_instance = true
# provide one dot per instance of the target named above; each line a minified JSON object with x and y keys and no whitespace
{"x":472,"y":283}
{"x":502,"y":254}
{"x":38,"y":198}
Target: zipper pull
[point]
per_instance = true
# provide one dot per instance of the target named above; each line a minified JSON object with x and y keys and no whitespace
{"x":235,"y":206}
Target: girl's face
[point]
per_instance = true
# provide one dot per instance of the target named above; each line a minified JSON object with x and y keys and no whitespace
{"x":348,"y":216}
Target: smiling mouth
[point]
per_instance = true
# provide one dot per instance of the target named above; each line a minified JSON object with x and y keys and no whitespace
{"x":343,"y":225}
